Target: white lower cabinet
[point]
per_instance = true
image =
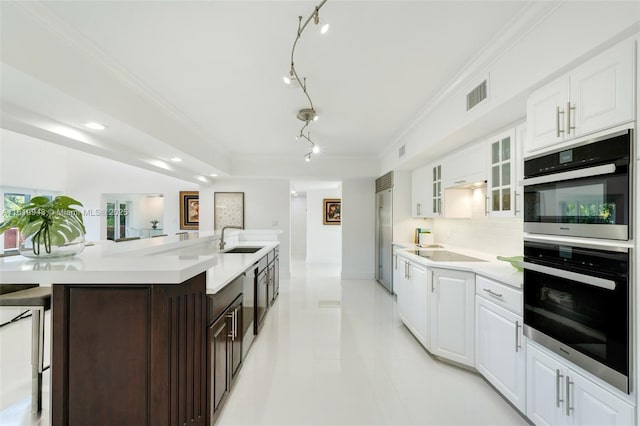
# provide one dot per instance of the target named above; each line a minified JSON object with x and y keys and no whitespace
{"x":452,"y":315}
{"x":558,"y":395}
{"x":500,"y":353}
{"x":413,"y":298}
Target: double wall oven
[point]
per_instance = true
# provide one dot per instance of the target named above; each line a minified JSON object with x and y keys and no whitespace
{"x":578,"y":291}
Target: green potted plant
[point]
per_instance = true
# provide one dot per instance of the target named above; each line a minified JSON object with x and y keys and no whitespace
{"x":154,"y":224}
{"x":48,"y":228}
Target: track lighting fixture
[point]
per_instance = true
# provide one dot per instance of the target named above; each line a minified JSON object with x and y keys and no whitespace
{"x":309,"y":114}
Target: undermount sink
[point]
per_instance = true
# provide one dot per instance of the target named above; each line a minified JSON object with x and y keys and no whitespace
{"x":243,"y":250}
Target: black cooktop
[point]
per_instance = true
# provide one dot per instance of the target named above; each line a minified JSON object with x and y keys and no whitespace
{"x":445,"y":256}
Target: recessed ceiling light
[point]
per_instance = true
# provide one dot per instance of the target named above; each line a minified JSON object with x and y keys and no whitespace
{"x":315,"y":150}
{"x":160,"y":164}
{"x":213,"y":174}
{"x":286,"y":80}
{"x":202,"y":179}
{"x":324,"y":28}
{"x":293,"y":191}
{"x":176,"y":159}
{"x":94,"y":126}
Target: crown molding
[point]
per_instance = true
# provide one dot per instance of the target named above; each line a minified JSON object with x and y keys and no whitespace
{"x":505,"y":40}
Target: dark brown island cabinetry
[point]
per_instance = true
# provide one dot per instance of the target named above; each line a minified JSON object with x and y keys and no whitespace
{"x":129,"y":354}
{"x":225,"y":333}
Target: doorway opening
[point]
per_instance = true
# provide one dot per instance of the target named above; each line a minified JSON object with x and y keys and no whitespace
{"x":314,"y":239}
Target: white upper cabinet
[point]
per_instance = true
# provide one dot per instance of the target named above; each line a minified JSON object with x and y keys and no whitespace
{"x":602,"y":91}
{"x":465,"y":166}
{"x":545,"y":115}
{"x":421,"y":191}
{"x":426,"y":191}
{"x":594,"y":96}
{"x":502,"y":188}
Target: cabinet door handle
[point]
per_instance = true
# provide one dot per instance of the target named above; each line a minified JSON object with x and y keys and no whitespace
{"x":558,"y":377}
{"x":518,"y":336}
{"x":486,"y":205}
{"x":568,"y":396}
{"x":491,"y":292}
{"x":235,"y":323}
{"x":558,"y":121}
{"x":230,"y":335}
{"x":569,"y":126}
{"x":395,"y":259}
{"x":516,"y":194}
{"x":458,"y":182}
{"x":418,"y":209}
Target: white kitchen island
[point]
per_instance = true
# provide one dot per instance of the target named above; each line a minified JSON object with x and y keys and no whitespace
{"x":129,"y":326}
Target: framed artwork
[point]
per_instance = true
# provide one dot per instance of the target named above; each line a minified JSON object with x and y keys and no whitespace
{"x":331,"y":211}
{"x":189,"y":210}
{"x":228,"y":209}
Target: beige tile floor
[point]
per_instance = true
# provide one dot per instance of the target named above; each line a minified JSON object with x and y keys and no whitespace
{"x":333,"y":352}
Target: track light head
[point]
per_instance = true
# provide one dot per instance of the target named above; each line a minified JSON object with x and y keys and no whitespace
{"x":307,"y":157}
{"x":306,"y":114}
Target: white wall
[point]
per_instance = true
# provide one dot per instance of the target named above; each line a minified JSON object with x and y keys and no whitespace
{"x":324,"y":242}
{"x":358,"y":228}
{"x":497,"y":236}
{"x":299,"y":227}
{"x":266,"y":206}
{"x":91,"y":176}
{"x":30,"y":163}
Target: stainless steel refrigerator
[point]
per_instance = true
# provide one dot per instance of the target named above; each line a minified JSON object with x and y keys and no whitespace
{"x":384,"y":230}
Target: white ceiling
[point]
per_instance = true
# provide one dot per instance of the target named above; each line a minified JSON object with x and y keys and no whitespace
{"x":203,"y":80}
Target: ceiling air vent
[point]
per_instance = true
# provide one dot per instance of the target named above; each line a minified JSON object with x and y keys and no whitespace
{"x":384,"y":182}
{"x":477,"y":95}
{"x":402,"y":150}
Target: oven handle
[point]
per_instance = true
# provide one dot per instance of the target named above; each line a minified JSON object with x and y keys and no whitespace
{"x":573,"y":276}
{"x":605,"y":169}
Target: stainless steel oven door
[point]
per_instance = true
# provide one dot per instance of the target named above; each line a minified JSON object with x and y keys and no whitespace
{"x":582,"y":315}
{"x":592,"y":202}
{"x":583,"y":191}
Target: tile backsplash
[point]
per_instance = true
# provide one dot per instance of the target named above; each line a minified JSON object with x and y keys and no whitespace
{"x":499,"y":236}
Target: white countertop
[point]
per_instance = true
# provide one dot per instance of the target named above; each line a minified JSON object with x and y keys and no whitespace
{"x":163,"y":260}
{"x":490,"y":268}
{"x":230,"y":265}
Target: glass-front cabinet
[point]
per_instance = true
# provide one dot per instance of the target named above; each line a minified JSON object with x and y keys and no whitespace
{"x":501,"y":186}
{"x":436,"y":195}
